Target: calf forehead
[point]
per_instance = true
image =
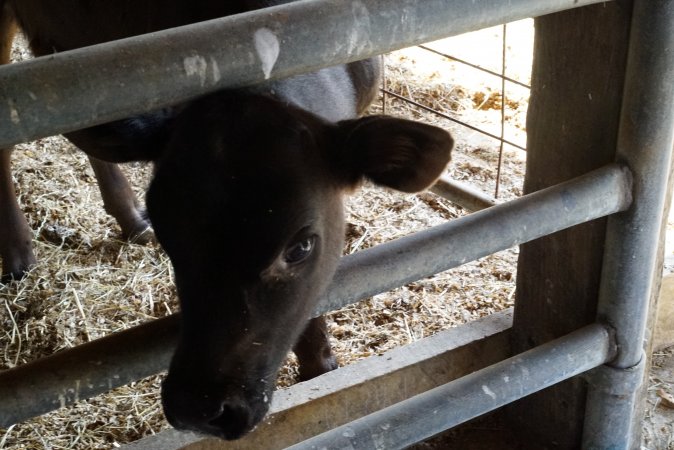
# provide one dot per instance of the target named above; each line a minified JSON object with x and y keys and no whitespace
{"x":247,"y":185}
{"x":273,"y":184}
{"x":250,"y":134}
{"x":276,"y":211}
{"x":238,"y":229}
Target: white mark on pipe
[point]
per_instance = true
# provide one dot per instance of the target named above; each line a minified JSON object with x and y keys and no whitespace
{"x":196,"y":66}
{"x":13,"y":113}
{"x":216,"y":70}
{"x":379,"y":441}
{"x":358,"y":36}
{"x":488,"y":391}
{"x":268,"y":48}
{"x":506,"y":378}
{"x":77,"y":390}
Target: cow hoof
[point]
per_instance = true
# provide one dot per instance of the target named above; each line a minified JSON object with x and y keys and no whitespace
{"x":15,"y":275}
{"x":7,"y":278}
{"x":318,"y":367}
{"x":16,"y":268}
{"x":143,"y":237}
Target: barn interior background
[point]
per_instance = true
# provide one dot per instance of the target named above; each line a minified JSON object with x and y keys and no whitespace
{"x":88,"y":283}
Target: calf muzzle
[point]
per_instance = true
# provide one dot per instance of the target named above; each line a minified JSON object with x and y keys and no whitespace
{"x":227,"y":412}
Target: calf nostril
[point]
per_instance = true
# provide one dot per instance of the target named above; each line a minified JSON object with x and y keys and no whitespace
{"x":233,"y":421}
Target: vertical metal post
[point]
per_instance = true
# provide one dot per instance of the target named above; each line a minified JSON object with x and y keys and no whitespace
{"x":645,"y":141}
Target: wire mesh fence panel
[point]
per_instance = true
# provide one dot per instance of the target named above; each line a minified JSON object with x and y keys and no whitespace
{"x":475,"y":84}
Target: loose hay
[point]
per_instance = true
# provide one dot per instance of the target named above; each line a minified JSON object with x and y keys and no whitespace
{"x":88,"y":283}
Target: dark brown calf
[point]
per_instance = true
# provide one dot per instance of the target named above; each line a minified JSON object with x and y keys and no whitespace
{"x":246,"y":200}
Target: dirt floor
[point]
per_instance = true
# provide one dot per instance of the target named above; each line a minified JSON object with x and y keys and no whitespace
{"x":89,"y":283}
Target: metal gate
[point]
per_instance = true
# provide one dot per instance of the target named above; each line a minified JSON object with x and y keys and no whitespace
{"x":319,"y":33}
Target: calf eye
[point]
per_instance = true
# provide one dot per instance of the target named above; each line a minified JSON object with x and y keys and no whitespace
{"x":300,"y":250}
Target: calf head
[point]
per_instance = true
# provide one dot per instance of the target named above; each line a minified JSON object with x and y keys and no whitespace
{"x":247,"y":202}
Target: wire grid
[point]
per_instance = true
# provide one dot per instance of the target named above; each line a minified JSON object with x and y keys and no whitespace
{"x":503,"y":78}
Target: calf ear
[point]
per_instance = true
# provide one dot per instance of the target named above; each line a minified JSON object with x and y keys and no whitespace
{"x":401,"y":154}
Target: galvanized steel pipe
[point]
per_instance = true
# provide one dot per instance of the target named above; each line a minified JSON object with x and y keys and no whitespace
{"x":438,"y":409}
{"x":113,"y":361}
{"x":89,"y":369}
{"x":645,"y":141}
{"x":596,"y":194}
{"x":462,"y":194}
{"x":89,"y":86}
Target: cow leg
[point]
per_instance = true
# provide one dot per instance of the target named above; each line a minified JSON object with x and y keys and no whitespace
{"x":120,"y":202}
{"x":15,"y":235}
{"x":313,"y":350}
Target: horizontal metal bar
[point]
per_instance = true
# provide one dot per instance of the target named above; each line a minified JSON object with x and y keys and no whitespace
{"x":462,"y":194}
{"x":596,"y":194}
{"x":313,"y":407}
{"x":441,"y":408}
{"x":90,"y":369}
{"x":98,"y":366}
{"x":89,"y":86}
